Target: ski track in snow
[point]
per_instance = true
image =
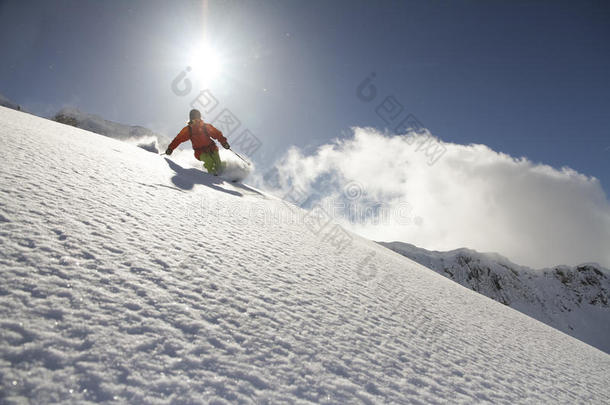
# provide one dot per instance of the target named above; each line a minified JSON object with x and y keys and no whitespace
{"x":127,"y":278}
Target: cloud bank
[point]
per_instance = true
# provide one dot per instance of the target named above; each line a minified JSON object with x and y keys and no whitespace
{"x":443,"y":196}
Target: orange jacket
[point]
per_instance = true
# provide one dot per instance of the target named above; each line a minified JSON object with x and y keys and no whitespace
{"x":201,"y":135}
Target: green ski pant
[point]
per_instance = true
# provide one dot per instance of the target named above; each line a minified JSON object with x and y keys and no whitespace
{"x":211,"y":162}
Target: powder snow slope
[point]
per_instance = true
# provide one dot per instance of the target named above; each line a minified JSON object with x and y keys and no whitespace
{"x":126,"y":277}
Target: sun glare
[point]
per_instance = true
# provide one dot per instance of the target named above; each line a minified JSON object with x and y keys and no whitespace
{"x":206,"y":63}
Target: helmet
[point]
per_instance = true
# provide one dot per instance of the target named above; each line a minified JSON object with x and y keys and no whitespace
{"x":194,"y":114}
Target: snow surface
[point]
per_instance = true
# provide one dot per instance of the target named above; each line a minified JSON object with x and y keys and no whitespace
{"x":127,"y":277}
{"x":573,"y":299}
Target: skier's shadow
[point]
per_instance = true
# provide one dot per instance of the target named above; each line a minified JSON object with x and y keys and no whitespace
{"x":186,"y":179}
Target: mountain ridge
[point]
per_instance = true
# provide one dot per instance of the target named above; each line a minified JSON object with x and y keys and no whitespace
{"x":562,"y":296}
{"x":139,"y":135}
{"x":5,"y":102}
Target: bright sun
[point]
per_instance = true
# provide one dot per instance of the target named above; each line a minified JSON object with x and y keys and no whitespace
{"x":206,"y":63}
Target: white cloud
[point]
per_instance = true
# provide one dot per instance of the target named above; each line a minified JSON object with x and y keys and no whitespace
{"x":443,"y":196}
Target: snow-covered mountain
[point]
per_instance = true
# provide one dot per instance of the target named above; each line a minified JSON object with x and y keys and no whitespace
{"x":5,"y":102}
{"x":573,"y":299}
{"x":129,"y":278}
{"x":142,"y":137}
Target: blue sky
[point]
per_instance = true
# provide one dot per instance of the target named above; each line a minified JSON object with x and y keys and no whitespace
{"x":528,"y":78}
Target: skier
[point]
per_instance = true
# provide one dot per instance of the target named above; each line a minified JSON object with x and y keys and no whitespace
{"x":201,"y":135}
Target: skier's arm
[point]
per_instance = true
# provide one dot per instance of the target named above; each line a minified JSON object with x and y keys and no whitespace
{"x":216,"y":134}
{"x":182,"y":136}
